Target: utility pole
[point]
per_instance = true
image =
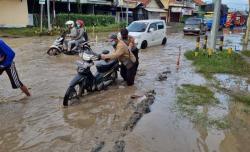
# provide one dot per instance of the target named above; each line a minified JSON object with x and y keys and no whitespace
{"x":246,"y":38}
{"x":127,"y":12}
{"x":48,"y":11}
{"x":68,"y":8}
{"x":54,"y":9}
{"x":41,"y":2}
{"x":216,"y":23}
{"x":41,"y":18}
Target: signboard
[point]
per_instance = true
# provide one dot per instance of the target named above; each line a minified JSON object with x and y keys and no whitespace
{"x":187,"y":11}
{"x":41,"y":1}
{"x":176,"y":9}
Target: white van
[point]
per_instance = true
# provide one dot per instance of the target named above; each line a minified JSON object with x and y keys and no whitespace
{"x":148,"y":32}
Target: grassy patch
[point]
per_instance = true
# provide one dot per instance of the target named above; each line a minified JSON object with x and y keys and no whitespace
{"x":35,"y":31}
{"x":109,"y":28}
{"x":246,"y":53}
{"x":219,"y":62}
{"x":18,"y":31}
{"x":195,"y":95}
{"x":193,"y":101}
{"x":241,"y":96}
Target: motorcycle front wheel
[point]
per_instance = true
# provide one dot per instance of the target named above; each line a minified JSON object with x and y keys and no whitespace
{"x":53,"y":52}
{"x":72,"y":94}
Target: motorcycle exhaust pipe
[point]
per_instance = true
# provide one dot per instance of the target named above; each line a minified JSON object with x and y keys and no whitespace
{"x":102,"y":85}
{"x":106,"y":83}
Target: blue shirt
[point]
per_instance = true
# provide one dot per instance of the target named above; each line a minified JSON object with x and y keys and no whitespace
{"x":7,"y":53}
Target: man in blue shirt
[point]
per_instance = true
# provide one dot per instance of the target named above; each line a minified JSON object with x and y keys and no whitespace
{"x":7,"y":64}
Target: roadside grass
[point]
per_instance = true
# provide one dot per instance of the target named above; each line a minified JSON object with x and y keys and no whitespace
{"x":192,"y":98}
{"x":195,"y":95}
{"x":35,"y":31}
{"x":219,"y":62}
{"x":241,"y":96}
{"x":246,"y":53}
{"x":26,"y":31}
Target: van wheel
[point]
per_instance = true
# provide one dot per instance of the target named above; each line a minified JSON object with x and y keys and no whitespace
{"x":144,"y":44}
{"x":164,"y":41}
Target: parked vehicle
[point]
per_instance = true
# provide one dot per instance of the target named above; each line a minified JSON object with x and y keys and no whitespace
{"x":194,"y":25}
{"x":85,"y":81}
{"x":57,"y":47}
{"x":209,"y":19}
{"x":148,"y":32}
{"x":235,"y":18}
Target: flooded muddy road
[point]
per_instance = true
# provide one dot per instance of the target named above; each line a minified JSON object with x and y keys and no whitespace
{"x":41,"y":124}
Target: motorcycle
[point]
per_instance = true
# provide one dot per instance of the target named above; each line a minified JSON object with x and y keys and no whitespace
{"x":57,"y":47}
{"x":85,"y":81}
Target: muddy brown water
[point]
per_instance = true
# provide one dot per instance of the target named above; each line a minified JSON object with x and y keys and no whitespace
{"x":40,"y":123}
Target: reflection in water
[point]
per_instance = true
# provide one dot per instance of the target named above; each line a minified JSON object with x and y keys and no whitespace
{"x":232,"y":82}
{"x":237,"y":138}
{"x":201,"y":142}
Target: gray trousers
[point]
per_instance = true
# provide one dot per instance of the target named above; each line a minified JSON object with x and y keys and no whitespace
{"x":69,"y":43}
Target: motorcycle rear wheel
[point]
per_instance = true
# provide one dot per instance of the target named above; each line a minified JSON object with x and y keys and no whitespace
{"x":53,"y":52}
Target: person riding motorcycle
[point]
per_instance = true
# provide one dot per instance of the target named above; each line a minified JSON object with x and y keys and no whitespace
{"x":81,"y":33}
{"x":125,"y":56}
{"x":72,"y":35}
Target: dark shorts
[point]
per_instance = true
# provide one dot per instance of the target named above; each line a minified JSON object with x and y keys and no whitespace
{"x":13,"y":76}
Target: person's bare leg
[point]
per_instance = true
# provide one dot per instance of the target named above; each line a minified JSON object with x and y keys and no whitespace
{"x":25,"y":90}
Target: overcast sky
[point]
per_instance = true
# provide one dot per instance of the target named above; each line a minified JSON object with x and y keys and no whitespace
{"x":234,"y":4}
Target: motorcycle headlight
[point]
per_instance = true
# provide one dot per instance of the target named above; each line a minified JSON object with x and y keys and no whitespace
{"x":80,"y":69}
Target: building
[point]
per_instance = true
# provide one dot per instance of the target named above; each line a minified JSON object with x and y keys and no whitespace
{"x":151,"y":9}
{"x":179,"y":9}
{"x":75,"y":6}
{"x":155,"y":10}
{"x":14,"y":13}
{"x":26,"y":10}
{"x":197,"y":11}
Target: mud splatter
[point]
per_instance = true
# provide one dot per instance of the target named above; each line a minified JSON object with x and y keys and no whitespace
{"x":119,"y":146}
{"x":98,"y":147}
{"x":142,"y":108}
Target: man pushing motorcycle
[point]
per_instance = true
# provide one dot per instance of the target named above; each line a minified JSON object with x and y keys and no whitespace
{"x":125,"y":56}
{"x":7,"y":64}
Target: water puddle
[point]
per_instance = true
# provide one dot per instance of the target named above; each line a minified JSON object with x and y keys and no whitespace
{"x":40,"y":123}
{"x":232,"y":82}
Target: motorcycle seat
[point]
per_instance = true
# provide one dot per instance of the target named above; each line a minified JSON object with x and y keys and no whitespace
{"x":103,"y":66}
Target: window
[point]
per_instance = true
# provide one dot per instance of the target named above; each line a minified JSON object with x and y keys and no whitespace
{"x":160,"y":25}
{"x":153,"y":26}
{"x":137,"y":27}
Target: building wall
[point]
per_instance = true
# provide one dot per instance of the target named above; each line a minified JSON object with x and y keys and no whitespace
{"x":13,"y":13}
{"x":153,"y":4}
{"x":165,"y":3}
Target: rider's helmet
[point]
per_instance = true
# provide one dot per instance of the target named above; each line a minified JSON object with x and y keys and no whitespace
{"x":80,"y":23}
{"x":70,"y":23}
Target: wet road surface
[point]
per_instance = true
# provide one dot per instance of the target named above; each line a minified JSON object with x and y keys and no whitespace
{"x":40,"y":123}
